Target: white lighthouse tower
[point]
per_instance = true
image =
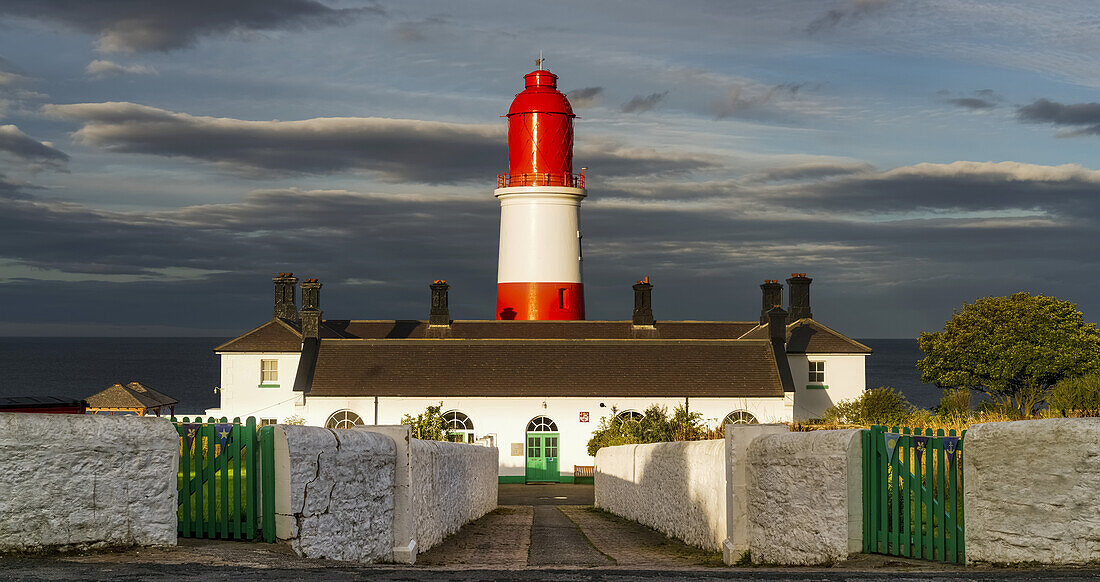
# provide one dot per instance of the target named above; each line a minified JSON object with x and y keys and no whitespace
{"x":539,"y":268}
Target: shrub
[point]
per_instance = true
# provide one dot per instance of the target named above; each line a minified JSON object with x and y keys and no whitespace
{"x":954,"y":405}
{"x":1080,"y":395}
{"x":876,"y":406}
{"x":655,"y":426}
{"x":428,"y":425}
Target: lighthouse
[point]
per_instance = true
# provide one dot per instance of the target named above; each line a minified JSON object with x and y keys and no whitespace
{"x":539,"y":266}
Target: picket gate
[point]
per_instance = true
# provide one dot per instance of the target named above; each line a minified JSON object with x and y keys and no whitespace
{"x":913,"y":498}
{"x":226,"y":479}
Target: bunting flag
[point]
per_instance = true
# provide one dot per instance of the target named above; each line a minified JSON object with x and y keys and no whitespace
{"x":189,"y":432}
{"x":921,"y":443}
{"x":891,"y":444}
{"x":223,"y":431}
{"x":950,"y":445}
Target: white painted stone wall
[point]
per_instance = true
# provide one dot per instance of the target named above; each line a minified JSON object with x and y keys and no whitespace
{"x":805,"y":497}
{"x":1032,"y":491}
{"x":677,"y":488}
{"x":72,"y":481}
{"x":452,"y":484}
{"x":845,"y":378}
{"x":334,"y":493}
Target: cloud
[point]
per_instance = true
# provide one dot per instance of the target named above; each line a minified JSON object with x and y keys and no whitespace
{"x":642,"y":103}
{"x":849,"y":12}
{"x":399,"y":150}
{"x":585,"y":96}
{"x":17,"y":144}
{"x":163,"y":25}
{"x":810,"y":170}
{"x":751,"y":102}
{"x":101,"y":69}
{"x":1074,"y":114}
{"x":978,"y":100}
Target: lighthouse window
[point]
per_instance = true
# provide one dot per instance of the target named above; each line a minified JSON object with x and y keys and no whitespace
{"x":561,"y":298}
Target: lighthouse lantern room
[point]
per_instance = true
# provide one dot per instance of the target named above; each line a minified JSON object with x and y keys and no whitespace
{"x":539,"y":268}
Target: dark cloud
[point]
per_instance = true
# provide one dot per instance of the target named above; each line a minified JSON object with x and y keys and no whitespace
{"x":585,"y":96}
{"x":980,"y":99}
{"x":1074,"y":114}
{"x":849,"y":12}
{"x":209,"y":266}
{"x":163,"y":25}
{"x":813,"y":170}
{"x":419,"y":30}
{"x":14,"y":142}
{"x":396,"y":149}
{"x":642,"y":103}
{"x":753,"y":103}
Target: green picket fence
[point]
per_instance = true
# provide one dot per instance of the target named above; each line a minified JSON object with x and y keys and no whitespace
{"x":912,"y":498}
{"x":226,"y":479}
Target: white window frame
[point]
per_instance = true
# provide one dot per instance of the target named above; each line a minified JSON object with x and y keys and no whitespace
{"x":815,"y":372}
{"x":269,"y":377}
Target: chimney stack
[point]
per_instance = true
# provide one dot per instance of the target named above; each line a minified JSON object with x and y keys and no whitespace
{"x":777,"y":326}
{"x":311,"y":309}
{"x":643,"y":302}
{"x":772,"y":297}
{"x":441,"y":311}
{"x":799,"y":285}
{"x":285,"y":300}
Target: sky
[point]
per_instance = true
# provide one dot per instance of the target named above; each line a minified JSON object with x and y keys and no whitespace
{"x":160,"y":160}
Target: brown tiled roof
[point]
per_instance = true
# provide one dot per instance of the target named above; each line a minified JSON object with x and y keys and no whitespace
{"x":489,"y":329}
{"x":273,"y":336}
{"x":132,"y":395}
{"x":807,"y":336}
{"x":698,"y":368}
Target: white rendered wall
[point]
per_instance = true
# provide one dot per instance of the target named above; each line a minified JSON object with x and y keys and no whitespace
{"x":335,"y":493}
{"x":452,"y":484}
{"x":539,"y":234}
{"x":805,"y":504}
{"x":72,"y":481}
{"x":677,"y":488}
{"x":845,"y":376}
{"x":1032,"y":491}
{"x":241,"y":394}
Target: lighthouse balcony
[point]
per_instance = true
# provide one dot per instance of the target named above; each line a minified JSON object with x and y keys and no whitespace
{"x":540,"y":179}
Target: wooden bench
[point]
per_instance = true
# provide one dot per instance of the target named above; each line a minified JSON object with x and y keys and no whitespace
{"x":584,"y":473}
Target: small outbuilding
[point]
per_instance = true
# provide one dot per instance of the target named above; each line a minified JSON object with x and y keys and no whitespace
{"x":134,"y":397}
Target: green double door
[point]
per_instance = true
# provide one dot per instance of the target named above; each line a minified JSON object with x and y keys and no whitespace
{"x":542,"y":457}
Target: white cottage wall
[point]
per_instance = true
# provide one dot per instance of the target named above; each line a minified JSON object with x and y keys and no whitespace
{"x":241,"y":391}
{"x":845,"y":378}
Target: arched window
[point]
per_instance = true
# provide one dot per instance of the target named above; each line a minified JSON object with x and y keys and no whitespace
{"x":629,"y":416}
{"x":460,"y":428}
{"x":542,"y":424}
{"x":343,"y":419}
{"x":739,"y":417}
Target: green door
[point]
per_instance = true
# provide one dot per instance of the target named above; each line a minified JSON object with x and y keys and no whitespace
{"x":542,"y":457}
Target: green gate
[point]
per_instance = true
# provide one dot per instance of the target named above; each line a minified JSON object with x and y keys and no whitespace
{"x":542,"y":457}
{"x":912,"y":493}
{"x":226,"y":479}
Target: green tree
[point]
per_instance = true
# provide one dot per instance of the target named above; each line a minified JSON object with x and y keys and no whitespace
{"x":1011,"y":348}
{"x":428,"y":425}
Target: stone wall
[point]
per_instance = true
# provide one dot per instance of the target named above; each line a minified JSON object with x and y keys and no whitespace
{"x":334,"y":493}
{"x":677,"y":488}
{"x":1032,"y":491}
{"x":805,"y":497}
{"x":452,"y":484}
{"x":72,"y":481}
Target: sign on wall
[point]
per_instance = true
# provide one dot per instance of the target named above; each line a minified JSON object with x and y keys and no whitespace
{"x":584,"y":417}
{"x":517,"y":449}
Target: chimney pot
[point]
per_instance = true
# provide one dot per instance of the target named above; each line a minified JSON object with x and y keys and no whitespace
{"x":643,"y":302}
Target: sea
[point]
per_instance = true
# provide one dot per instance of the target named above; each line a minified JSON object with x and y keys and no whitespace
{"x":188,"y":370}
